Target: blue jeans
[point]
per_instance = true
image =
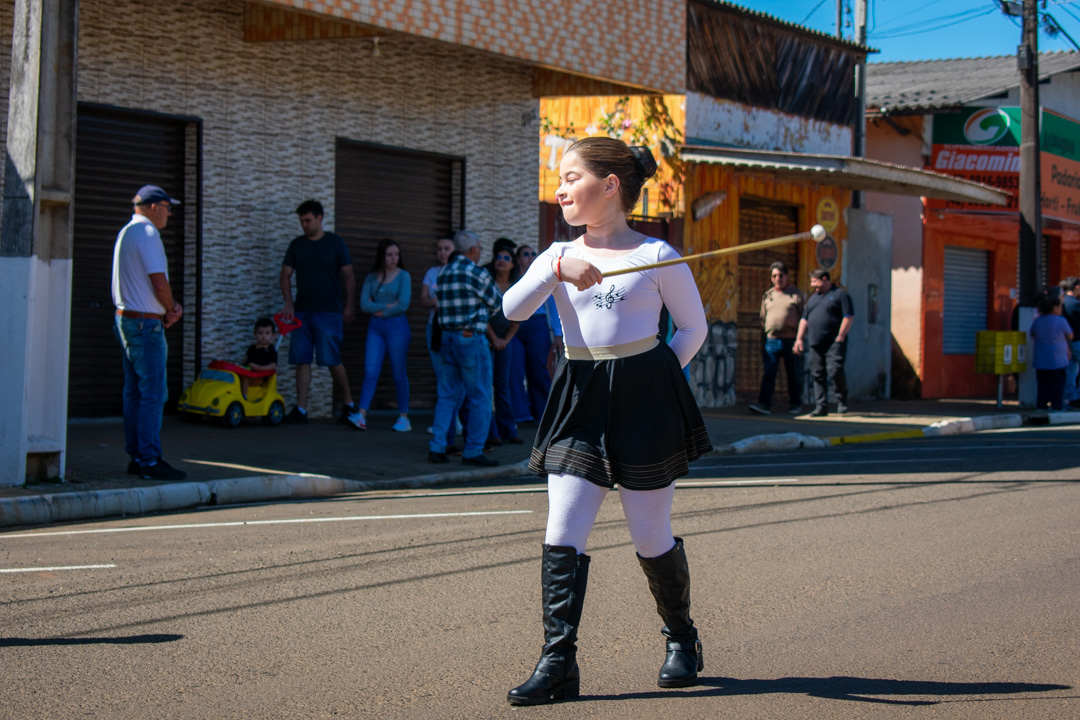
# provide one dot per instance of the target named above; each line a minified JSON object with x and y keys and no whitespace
{"x":145,"y":390}
{"x":1071,"y":373}
{"x":775,"y":350}
{"x":436,"y":364}
{"x":503,"y":425}
{"x":535,"y":338}
{"x":466,"y":370}
{"x":386,"y":335}
{"x":319,"y":338}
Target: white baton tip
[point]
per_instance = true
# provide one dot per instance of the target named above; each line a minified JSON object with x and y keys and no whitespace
{"x":818,"y":233}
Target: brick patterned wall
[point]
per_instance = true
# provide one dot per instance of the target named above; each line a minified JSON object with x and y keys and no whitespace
{"x":271,"y":113}
{"x":7,"y":12}
{"x":266,"y":23}
{"x":631,"y":42}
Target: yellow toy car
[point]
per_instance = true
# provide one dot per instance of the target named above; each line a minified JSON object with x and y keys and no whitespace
{"x":217,"y":394}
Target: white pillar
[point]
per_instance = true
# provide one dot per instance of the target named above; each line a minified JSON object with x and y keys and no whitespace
{"x":35,"y":240}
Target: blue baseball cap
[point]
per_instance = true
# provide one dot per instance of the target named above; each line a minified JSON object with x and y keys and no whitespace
{"x":153,"y":194}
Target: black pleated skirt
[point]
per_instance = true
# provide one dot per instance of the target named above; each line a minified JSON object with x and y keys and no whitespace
{"x":631,"y":422}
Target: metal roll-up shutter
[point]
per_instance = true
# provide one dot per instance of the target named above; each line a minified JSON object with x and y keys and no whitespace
{"x":966,"y":298}
{"x":760,"y":220}
{"x":415,"y":198}
{"x":116,"y":153}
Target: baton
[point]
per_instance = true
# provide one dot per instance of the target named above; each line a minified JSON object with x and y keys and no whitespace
{"x":816,"y":233}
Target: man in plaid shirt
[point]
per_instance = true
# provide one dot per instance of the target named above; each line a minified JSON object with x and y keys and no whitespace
{"x":467,"y":295}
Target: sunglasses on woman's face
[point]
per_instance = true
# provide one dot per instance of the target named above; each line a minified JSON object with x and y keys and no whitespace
{"x":528,"y":253}
{"x":503,"y":256}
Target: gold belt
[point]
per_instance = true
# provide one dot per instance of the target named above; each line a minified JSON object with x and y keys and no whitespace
{"x":611,"y":352}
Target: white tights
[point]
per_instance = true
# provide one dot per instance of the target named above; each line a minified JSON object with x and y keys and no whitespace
{"x":574,"y":501}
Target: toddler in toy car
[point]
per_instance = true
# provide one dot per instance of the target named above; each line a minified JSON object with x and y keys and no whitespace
{"x":261,"y":355}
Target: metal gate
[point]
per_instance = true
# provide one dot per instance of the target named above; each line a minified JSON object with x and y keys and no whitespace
{"x":967,"y":297}
{"x":759,"y":220}
{"x":415,"y":198}
{"x":116,"y":153}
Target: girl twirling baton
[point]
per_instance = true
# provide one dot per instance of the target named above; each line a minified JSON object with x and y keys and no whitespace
{"x":620,"y":410}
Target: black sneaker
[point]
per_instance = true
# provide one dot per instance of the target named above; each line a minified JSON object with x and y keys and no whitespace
{"x":161,"y":470}
{"x":438,"y":458}
{"x":295,"y":417}
{"x":819,"y":412}
{"x":759,"y":409}
{"x":346,"y":411}
{"x":841,"y":409}
{"x":480,"y":460}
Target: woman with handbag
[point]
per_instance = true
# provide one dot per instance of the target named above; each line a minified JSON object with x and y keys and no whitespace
{"x":500,"y":334}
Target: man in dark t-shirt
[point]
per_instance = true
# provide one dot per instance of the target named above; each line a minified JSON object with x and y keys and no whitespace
{"x":1070,"y":310}
{"x":321,"y":263}
{"x":823,"y":333}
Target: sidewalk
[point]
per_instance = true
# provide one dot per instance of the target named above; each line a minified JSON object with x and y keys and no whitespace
{"x":254,"y":462}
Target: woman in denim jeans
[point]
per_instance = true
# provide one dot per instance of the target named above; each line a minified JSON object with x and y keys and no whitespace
{"x":385,"y":296}
{"x":500,"y":333}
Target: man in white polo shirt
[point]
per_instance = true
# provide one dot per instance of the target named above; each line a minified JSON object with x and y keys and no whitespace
{"x":144,"y":308}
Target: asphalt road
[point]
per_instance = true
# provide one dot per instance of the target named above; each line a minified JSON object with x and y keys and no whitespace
{"x":929,"y":579}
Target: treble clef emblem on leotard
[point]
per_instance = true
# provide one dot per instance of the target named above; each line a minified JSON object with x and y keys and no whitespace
{"x":604,"y":300}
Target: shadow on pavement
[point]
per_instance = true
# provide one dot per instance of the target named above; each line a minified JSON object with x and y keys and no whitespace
{"x":846,"y":688}
{"x":121,"y":640}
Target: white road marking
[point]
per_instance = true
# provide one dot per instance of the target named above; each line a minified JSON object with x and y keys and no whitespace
{"x":52,"y":569}
{"x":721,"y":464}
{"x":712,"y":483}
{"x":242,"y":523}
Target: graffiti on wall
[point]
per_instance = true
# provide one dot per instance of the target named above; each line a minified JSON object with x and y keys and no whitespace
{"x":712,"y":371}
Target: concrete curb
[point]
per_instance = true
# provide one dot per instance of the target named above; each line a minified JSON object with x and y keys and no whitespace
{"x":66,"y":507}
{"x":955,"y":426}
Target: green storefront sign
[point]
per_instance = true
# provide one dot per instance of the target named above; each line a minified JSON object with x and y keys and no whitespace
{"x":999,"y":126}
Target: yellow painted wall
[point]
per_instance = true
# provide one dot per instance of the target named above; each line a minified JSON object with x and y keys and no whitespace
{"x":565,"y":119}
{"x":717,"y":278}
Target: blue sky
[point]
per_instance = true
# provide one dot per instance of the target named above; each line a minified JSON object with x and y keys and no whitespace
{"x":929,"y":29}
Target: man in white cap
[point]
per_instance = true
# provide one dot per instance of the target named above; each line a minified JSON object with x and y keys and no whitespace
{"x":144,"y":308}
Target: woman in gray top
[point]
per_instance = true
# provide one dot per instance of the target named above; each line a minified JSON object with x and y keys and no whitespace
{"x":385,"y":296}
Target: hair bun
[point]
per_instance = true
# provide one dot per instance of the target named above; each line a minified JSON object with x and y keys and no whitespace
{"x":644,"y":160}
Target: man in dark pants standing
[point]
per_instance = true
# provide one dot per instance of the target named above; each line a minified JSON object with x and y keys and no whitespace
{"x":823,"y":332}
{"x":1070,"y":290}
{"x":781,"y":309}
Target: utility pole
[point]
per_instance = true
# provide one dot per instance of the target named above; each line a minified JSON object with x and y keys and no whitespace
{"x":840,"y":19}
{"x":860,"y":94}
{"x":1029,"y":266}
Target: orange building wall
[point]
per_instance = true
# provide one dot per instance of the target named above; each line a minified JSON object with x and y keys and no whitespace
{"x":717,"y":278}
{"x":954,"y":375}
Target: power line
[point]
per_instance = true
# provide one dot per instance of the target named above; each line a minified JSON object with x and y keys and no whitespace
{"x":912,"y":13}
{"x":811,"y":13}
{"x":932,"y":24}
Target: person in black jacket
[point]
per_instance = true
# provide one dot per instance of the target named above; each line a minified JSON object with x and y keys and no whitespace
{"x":823,"y":332}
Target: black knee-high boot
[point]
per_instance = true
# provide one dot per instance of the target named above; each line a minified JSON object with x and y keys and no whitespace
{"x":563,"y":579}
{"x":669,"y":581}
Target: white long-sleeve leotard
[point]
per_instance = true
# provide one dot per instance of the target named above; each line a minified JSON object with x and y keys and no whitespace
{"x":622,"y":309}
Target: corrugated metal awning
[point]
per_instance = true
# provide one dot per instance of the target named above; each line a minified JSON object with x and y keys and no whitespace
{"x":848,"y":172}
